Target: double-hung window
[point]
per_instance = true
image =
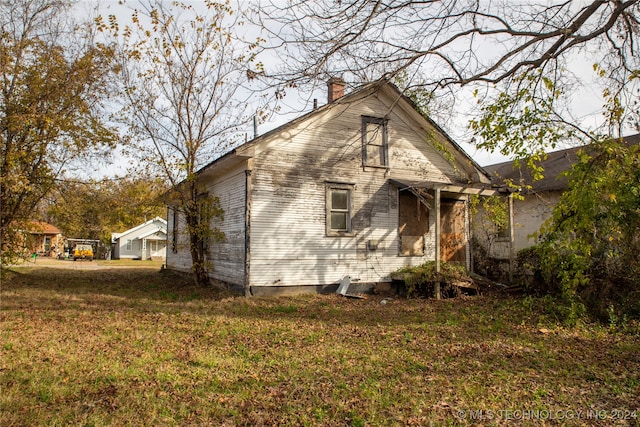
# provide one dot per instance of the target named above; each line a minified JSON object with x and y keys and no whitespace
{"x":375,"y":149}
{"x":339,"y":209}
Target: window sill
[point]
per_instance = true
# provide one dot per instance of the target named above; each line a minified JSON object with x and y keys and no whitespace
{"x":340,"y":234}
{"x":375,"y":166}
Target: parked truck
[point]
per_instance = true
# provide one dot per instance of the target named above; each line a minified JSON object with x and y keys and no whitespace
{"x":83,"y":251}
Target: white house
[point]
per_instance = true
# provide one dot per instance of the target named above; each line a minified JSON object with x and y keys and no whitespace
{"x":146,"y":241}
{"x":351,"y":189}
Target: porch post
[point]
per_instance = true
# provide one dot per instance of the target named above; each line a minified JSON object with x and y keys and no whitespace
{"x":512,"y":246}
{"x":437,"y":233}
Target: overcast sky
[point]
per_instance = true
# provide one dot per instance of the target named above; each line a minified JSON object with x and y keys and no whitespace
{"x":587,"y":102}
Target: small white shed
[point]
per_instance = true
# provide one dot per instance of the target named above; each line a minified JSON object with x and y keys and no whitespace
{"x":146,"y":241}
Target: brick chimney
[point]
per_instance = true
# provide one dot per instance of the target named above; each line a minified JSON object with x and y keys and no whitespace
{"x":336,"y":89}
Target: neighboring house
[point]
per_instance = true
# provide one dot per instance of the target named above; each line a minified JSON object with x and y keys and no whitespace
{"x":350,"y":189}
{"x":539,"y":198}
{"x":146,"y":241}
{"x":43,"y":239}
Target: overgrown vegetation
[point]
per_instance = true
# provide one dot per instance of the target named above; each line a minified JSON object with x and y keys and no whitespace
{"x":589,"y":251}
{"x":420,"y":280}
{"x":136,"y":347}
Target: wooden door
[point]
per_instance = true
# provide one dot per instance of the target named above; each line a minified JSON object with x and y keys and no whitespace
{"x":453,"y":240}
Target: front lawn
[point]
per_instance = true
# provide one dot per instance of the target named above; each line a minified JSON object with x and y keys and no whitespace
{"x":139,"y":347}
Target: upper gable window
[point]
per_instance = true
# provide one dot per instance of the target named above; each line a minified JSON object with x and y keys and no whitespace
{"x":374,"y":142}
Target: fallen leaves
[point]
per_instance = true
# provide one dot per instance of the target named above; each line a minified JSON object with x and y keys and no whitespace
{"x":99,"y":351}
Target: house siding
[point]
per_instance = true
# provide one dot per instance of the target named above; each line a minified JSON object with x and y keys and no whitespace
{"x":529,"y":215}
{"x":289,"y":245}
{"x":178,"y":256}
{"x":226,"y":258}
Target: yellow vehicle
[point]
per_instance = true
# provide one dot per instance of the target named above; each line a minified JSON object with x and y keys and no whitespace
{"x":83,"y":252}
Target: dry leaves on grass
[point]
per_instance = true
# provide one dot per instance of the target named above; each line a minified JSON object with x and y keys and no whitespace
{"x":144,"y":348}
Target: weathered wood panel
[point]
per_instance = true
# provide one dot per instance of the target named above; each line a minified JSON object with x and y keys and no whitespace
{"x":226,"y":258}
{"x":413,"y":224}
{"x":453,"y":241}
{"x":178,"y":257}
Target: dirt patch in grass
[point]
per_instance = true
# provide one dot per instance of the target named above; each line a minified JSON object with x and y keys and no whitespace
{"x":136,"y":347}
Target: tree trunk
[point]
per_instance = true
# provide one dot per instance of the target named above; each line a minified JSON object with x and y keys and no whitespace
{"x":197,"y":248}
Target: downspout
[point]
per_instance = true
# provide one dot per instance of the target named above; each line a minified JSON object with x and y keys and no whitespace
{"x":247,"y":227}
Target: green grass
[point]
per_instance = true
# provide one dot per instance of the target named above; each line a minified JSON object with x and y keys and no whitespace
{"x":137,"y":347}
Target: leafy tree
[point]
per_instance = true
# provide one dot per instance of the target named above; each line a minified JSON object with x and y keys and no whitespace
{"x":53,"y":80}
{"x":95,"y":210}
{"x":182,"y":71}
{"x":591,"y":245}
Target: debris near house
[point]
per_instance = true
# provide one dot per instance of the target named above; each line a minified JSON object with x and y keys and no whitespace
{"x":343,"y":288}
{"x":420,"y":281}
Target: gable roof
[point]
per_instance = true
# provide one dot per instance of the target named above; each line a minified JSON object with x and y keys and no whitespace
{"x":556,"y":163}
{"x":116,"y":236}
{"x":160,"y":232}
{"x":246,"y":150}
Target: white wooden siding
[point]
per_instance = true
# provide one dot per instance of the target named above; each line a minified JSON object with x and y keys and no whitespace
{"x":226,"y":258}
{"x":528,"y":216}
{"x":180,"y":258}
{"x":288,"y":241}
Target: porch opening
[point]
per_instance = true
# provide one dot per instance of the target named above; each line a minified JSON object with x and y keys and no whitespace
{"x":413,"y":223}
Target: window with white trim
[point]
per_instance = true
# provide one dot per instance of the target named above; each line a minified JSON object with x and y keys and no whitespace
{"x":375,"y":150}
{"x":129,"y":245}
{"x":339,"y":204}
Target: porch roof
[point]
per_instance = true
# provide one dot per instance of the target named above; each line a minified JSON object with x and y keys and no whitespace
{"x":479,"y":189}
{"x":154,"y":235}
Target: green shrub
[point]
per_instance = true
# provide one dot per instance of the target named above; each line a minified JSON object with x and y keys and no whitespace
{"x":420,"y":280}
{"x":589,"y":250}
